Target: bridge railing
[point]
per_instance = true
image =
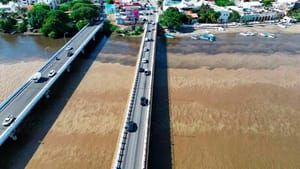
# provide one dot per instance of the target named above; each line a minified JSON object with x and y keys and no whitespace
{"x":150,"y":94}
{"x":117,"y":164}
{"x":41,"y":93}
{"x":45,"y":65}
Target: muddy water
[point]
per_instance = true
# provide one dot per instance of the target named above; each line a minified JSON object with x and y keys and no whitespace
{"x":234,"y":103}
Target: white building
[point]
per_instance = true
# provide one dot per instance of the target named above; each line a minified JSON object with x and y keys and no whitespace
{"x":52,"y":3}
{"x":10,"y":7}
{"x":183,"y":4}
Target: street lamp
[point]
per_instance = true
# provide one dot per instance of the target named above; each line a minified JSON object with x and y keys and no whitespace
{"x":46,"y":51}
{"x":65,"y":36}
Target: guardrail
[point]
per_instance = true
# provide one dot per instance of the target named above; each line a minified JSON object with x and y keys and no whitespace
{"x":32,"y":103}
{"x":148,"y":116}
{"x":124,"y":134}
{"x":25,"y":84}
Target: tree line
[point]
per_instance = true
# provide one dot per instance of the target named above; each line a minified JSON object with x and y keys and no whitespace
{"x":68,"y":18}
{"x":173,"y":18}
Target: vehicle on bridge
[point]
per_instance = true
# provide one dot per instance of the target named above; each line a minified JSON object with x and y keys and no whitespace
{"x":131,"y":126}
{"x":51,"y":73}
{"x":36,"y":77}
{"x":144,"y":101}
{"x":8,"y":120}
{"x":147,"y":72}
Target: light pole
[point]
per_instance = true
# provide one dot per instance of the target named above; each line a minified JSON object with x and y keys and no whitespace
{"x":65,"y":36}
{"x":46,"y":51}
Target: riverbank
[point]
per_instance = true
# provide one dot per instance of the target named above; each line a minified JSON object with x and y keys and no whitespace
{"x":293,"y":29}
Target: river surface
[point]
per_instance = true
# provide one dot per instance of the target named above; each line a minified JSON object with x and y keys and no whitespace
{"x":16,"y":48}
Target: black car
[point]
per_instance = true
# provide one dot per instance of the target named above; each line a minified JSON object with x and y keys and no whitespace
{"x":141,"y":69}
{"x":144,"y":101}
{"x":70,"y":54}
{"x":147,"y":72}
{"x":131,"y":126}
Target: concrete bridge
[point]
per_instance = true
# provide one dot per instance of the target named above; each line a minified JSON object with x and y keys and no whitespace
{"x":18,"y":105}
{"x":132,"y":149}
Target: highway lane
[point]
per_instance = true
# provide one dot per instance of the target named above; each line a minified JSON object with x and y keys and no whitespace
{"x":134,"y":154}
{"x":16,"y":106}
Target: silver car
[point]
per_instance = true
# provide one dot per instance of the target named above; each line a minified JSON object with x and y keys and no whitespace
{"x":8,"y":120}
{"x":51,"y":73}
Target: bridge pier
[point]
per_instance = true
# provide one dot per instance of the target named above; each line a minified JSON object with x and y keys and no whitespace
{"x":69,"y":68}
{"x":13,"y":135}
{"x":47,"y":95}
{"x":82,"y":51}
{"x":94,"y":38}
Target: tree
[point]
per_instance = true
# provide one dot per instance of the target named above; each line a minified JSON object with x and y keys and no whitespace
{"x":267,"y":2}
{"x":109,"y":1}
{"x":224,"y":2}
{"x":56,"y":24}
{"x":171,"y":18}
{"x":22,"y":27}
{"x":7,"y":24}
{"x":207,"y":14}
{"x":234,"y":16}
{"x":37,"y":15}
{"x":80,"y":24}
{"x":84,"y":13}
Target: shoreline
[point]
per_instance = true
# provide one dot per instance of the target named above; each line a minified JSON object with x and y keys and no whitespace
{"x":293,"y":29}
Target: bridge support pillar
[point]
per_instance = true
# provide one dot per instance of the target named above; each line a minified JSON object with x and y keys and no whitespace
{"x":94,"y":38}
{"x":82,"y":51}
{"x":69,"y":69}
{"x":13,"y":136}
{"x":47,"y":95}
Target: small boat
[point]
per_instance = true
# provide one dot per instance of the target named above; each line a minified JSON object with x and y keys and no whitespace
{"x":196,"y":37}
{"x":248,"y":33}
{"x":168,"y":35}
{"x":267,"y":35}
{"x":206,"y":36}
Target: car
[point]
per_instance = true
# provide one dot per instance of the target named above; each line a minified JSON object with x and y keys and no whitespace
{"x":68,"y":48}
{"x":149,"y":30}
{"x":141,"y":69}
{"x":146,"y":49}
{"x":8,"y":120}
{"x":69,"y":54}
{"x":144,"y":101}
{"x":146,"y":39}
{"x":144,"y":60}
{"x":147,"y":72}
{"x":131,"y":126}
{"x":36,"y":77}
{"x":51,"y":73}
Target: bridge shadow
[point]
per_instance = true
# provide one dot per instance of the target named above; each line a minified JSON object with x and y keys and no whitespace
{"x":160,"y":152}
{"x":16,"y":154}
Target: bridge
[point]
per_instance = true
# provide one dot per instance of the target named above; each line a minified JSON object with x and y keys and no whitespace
{"x":133,"y":145}
{"x":21,"y":102}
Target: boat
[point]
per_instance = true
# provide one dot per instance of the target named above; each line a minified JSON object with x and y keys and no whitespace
{"x":168,"y":35}
{"x":267,"y":35}
{"x":196,"y":37}
{"x":206,"y":36}
{"x":248,"y":33}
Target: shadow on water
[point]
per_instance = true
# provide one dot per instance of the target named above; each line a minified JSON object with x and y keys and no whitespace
{"x":16,"y":154}
{"x":160,"y":156}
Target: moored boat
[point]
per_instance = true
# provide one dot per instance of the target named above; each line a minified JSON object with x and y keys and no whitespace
{"x":168,"y":35}
{"x":248,"y":33}
{"x":206,"y":36}
{"x":196,"y":37}
{"x":267,"y":35}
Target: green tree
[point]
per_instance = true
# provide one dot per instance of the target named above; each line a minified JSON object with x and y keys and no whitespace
{"x":37,"y":15}
{"x":56,"y":24}
{"x":109,"y":1}
{"x":65,"y":6}
{"x":171,"y":18}
{"x":295,"y":13}
{"x":84,"y":13}
{"x":207,"y":14}
{"x":80,"y":24}
{"x":4,"y":1}
{"x":7,"y":24}
{"x":22,"y":27}
{"x":267,"y":2}
{"x":234,"y":16}
{"x":224,"y":2}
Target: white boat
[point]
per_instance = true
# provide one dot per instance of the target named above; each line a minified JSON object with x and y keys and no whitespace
{"x":248,"y":33}
{"x":195,"y":36}
{"x":268,"y":35}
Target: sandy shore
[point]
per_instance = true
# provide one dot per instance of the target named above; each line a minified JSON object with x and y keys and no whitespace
{"x":295,"y":28}
{"x":13,"y":75}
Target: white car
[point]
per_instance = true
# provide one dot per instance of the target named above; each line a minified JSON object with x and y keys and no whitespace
{"x":145,"y":60}
{"x":69,"y":48}
{"x":36,"y":77}
{"x":8,"y":120}
{"x":51,"y":73}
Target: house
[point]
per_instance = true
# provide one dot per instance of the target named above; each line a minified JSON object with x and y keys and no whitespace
{"x":10,"y":7}
{"x":52,"y":3}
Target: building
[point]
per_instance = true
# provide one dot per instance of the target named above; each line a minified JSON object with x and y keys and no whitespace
{"x":10,"y":7}
{"x":52,"y":3}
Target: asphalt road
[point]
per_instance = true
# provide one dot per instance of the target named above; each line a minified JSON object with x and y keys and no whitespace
{"x":17,"y":105}
{"x":134,"y":152}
